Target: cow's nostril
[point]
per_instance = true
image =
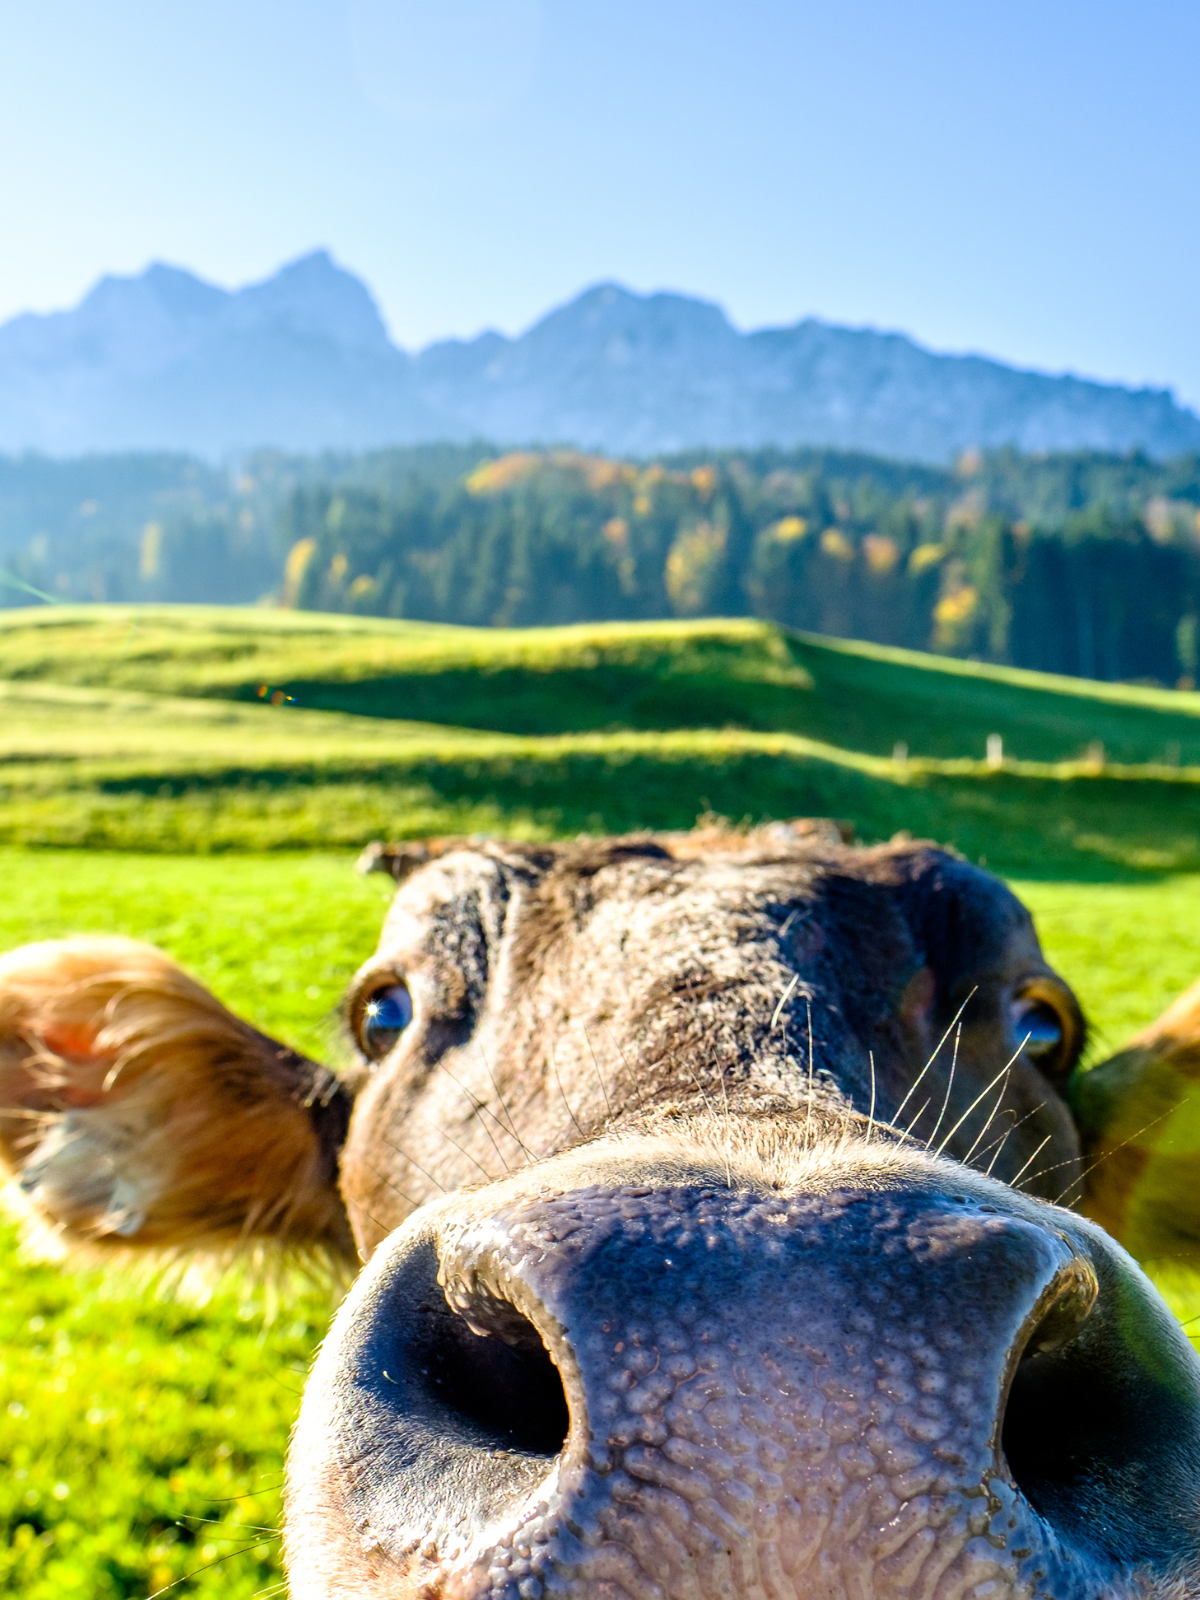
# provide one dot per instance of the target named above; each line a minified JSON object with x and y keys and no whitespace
{"x":1094,"y":1421}
{"x":1062,"y":1429}
{"x":501,"y":1382}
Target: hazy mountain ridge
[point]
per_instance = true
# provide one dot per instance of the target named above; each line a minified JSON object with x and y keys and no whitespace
{"x":303,"y":361}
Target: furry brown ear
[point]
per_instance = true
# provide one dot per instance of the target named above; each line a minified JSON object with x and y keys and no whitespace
{"x":137,"y":1113}
{"x":1138,"y":1115}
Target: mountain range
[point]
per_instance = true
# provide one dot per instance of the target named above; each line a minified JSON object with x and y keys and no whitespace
{"x":303,"y":361}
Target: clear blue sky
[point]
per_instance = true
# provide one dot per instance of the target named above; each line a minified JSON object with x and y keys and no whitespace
{"x":999,"y":175}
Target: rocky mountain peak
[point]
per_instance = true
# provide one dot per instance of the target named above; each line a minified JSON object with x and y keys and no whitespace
{"x":302,"y":360}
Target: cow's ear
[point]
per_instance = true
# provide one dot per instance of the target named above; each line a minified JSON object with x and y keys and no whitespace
{"x":1138,"y":1115}
{"x":138,"y":1114}
{"x":402,"y":859}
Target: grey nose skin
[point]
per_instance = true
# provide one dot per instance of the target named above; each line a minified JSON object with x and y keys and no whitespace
{"x":692,"y":1393}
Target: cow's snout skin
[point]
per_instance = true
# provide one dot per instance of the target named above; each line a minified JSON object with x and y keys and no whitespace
{"x":638,"y":1375}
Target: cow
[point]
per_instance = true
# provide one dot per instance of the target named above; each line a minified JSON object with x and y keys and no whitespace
{"x":722,"y":1207}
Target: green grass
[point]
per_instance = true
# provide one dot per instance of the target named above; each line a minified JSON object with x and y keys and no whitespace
{"x":126,"y":1419}
{"x":598,"y":676}
{"x":114,"y":769}
{"x":1127,"y":949}
{"x":145,"y":728}
{"x":245,"y":926}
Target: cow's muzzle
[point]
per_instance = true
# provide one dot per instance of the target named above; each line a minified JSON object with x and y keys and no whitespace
{"x":914,"y":1384}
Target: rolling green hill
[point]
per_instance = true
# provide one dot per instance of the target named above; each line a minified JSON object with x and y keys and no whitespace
{"x":600,"y":676}
{"x":194,"y":728}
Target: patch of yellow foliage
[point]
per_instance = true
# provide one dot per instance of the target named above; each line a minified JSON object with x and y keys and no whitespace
{"x":882,"y":553}
{"x":692,"y":564}
{"x":788,"y":530}
{"x":294,"y":568}
{"x":925,"y":556}
{"x":493,"y":477}
{"x":835,"y":543}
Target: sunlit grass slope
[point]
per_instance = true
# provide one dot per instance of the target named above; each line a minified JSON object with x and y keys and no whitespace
{"x":142,"y":1440}
{"x":595,"y":677}
{"x":202,"y":728}
{"x":126,"y":770}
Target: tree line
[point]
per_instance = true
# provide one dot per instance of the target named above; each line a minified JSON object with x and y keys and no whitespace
{"x":1060,"y":565}
{"x":1080,"y":563}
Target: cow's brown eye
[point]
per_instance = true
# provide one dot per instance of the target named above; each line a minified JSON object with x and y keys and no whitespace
{"x":383,"y":1019}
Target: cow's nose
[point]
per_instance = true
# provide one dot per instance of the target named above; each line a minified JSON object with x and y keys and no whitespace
{"x":696,"y":1391}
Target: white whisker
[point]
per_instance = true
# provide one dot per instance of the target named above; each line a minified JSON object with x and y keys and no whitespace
{"x":512,"y":1125}
{"x":599,"y":1074}
{"x":404,"y":1156}
{"x":1016,"y":1182}
{"x":1005,"y":1069}
{"x":488,"y":1175}
{"x":713,"y":1115}
{"x":808,"y":1116}
{"x":783,"y":1000}
{"x":637,"y":1088}
{"x":1005,"y":1137}
{"x":906,"y":1133}
{"x":987,"y":1123}
{"x":949,"y":1084}
{"x":917,"y":1080}
{"x":1099,"y":1161}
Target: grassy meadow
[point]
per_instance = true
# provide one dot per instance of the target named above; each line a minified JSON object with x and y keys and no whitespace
{"x":148,"y":785}
{"x":595,"y":677}
{"x":205,"y":729}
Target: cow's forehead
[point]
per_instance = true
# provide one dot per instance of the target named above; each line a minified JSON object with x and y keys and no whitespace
{"x":953,"y":915}
{"x":467,"y":883}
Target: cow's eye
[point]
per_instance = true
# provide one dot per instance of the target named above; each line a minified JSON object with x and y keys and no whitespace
{"x":384,"y":1018}
{"x":1038,"y":1026}
{"x":1040,"y":1029}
